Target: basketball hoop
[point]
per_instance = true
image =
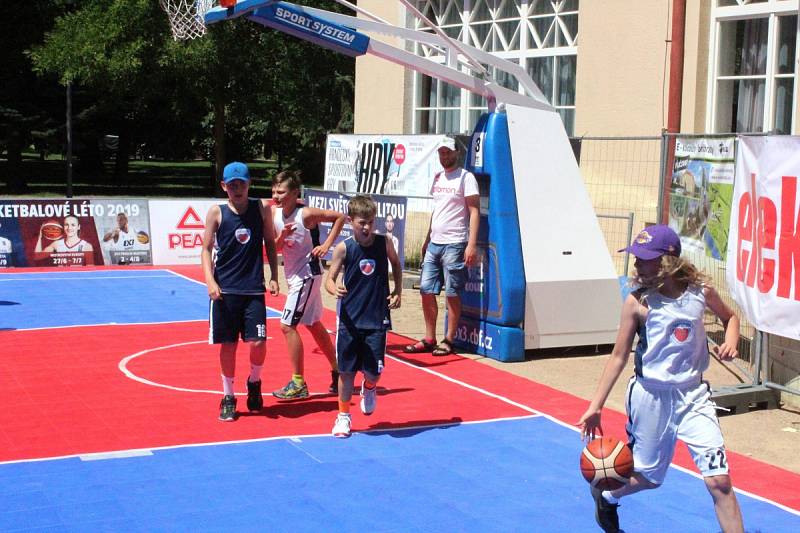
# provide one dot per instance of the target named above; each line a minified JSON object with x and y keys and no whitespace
{"x":186,"y":17}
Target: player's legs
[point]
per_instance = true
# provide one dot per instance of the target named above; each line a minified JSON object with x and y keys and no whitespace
{"x":323,"y":340}
{"x":699,"y":429}
{"x":374,"y":351}
{"x":224,"y":321}
{"x":302,"y":307}
{"x":255,"y":334}
{"x":455,"y":276}
{"x":348,"y":362}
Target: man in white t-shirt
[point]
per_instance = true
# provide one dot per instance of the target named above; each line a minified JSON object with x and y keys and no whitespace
{"x":450,"y":247}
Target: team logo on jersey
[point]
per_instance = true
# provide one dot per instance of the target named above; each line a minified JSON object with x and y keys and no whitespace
{"x":681,"y":330}
{"x":243,"y":235}
{"x":367,"y":266}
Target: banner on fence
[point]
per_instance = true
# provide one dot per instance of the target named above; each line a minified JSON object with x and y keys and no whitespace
{"x":763,"y":268}
{"x":382,"y":164}
{"x":701,"y":192}
{"x":75,"y":232}
{"x":390,"y":220}
{"x":178,"y":230}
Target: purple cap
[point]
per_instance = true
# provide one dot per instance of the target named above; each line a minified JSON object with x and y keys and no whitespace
{"x":655,"y":241}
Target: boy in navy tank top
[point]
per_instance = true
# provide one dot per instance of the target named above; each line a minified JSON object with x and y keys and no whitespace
{"x":667,"y":399}
{"x":363,"y":307}
{"x":235,"y":282}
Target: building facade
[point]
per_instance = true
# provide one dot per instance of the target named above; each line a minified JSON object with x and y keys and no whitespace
{"x":604,"y":65}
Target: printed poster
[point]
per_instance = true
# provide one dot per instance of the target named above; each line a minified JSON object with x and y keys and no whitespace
{"x":701,"y":192}
{"x":390,"y":219}
{"x":62,"y":233}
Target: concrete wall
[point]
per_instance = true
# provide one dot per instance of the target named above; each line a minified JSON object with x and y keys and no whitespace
{"x":381,"y":86}
{"x":621,"y":71}
{"x":783,"y":366}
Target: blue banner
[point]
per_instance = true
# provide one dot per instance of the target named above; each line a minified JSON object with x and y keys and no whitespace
{"x":390,"y":219}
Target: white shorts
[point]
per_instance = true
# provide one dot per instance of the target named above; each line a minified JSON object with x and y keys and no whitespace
{"x":659,"y":416}
{"x":304,"y":302}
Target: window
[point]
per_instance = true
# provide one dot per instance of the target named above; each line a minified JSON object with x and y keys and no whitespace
{"x":539,"y":35}
{"x":754,"y":74}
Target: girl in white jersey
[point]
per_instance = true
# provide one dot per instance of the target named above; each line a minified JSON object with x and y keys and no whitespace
{"x":296,"y":227}
{"x":667,"y":399}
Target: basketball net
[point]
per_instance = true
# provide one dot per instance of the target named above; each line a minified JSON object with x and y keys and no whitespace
{"x":186,"y":17}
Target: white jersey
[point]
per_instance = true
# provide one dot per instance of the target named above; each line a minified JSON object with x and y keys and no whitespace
{"x":450,"y":219}
{"x":80,"y":246}
{"x":672,"y":348}
{"x":298,"y":263}
{"x":5,"y":246}
{"x":126,"y":241}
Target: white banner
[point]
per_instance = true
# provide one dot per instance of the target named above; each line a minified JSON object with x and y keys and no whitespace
{"x":177,"y":230}
{"x":401,"y":165}
{"x":763,"y":270}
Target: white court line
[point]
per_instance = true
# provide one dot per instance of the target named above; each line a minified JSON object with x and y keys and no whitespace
{"x":77,"y":278}
{"x":293,"y":438}
{"x":534,"y":414}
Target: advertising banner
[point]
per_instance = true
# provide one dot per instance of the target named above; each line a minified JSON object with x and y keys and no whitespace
{"x":73,"y":232}
{"x":763,"y":268}
{"x":701,"y":192}
{"x":177,"y":230}
{"x":401,"y":165}
{"x":390,"y":220}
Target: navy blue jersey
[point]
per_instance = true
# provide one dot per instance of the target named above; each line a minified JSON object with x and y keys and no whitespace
{"x":366,"y":277}
{"x":239,"y":264}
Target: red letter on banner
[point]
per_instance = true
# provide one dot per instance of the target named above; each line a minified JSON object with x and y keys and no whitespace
{"x":767,"y":222}
{"x":789,"y":244}
{"x":745,"y":234}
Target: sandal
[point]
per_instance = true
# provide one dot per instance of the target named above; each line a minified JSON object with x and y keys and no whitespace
{"x":445,"y":348}
{"x":421,"y":346}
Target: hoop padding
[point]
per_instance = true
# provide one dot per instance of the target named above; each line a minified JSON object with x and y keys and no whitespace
{"x":186,"y":17}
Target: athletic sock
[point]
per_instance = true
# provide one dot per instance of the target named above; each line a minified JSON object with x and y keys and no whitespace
{"x":609,"y":498}
{"x":298,"y":379}
{"x":227,"y":385}
{"x":344,"y":407}
{"x":255,"y":372}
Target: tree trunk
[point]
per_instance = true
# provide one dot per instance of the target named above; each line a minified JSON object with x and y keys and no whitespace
{"x":16,"y":183}
{"x":123,"y":155}
{"x":219,"y":138}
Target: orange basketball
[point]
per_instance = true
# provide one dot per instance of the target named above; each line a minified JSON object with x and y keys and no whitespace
{"x":607,"y":463}
{"x":52,"y":230}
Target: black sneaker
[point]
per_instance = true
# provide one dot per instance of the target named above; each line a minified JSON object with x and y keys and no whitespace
{"x":255,"y":402}
{"x":227,"y":408}
{"x":605,"y":513}
{"x":334,"y":388}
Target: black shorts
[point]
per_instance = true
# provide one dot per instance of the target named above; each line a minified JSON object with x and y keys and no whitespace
{"x":237,"y":315}
{"x":360,"y":349}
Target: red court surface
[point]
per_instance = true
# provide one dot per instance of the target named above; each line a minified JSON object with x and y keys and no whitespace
{"x":82,"y":390}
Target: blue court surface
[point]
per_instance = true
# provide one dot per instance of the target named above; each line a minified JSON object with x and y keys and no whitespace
{"x":506,"y":475}
{"x":82,"y":298}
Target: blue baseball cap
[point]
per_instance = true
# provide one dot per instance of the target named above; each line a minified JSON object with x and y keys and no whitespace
{"x":655,"y":241}
{"x":235,"y":171}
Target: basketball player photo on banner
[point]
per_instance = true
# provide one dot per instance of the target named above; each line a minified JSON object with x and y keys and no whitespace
{"x":124,"y":231}
{"x":57,"y":232}
{"x":763,"y":269}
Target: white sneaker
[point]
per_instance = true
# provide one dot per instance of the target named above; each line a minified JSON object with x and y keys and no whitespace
{"x":341,"y":428}
{"x":368,"y":399}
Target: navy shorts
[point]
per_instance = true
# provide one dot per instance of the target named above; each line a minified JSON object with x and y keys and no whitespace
{"x":237,"y":315}
{"x":443,"y":266}
{"x":360,"y":350}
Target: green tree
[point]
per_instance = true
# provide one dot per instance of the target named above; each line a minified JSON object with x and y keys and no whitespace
{"x":31,"y":108}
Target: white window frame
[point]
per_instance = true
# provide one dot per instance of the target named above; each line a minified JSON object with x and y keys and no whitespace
{"x":771,"y":9}
{"x":520,"y":56}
